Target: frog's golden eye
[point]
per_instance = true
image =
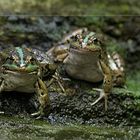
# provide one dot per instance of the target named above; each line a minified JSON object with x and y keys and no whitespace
{"x":78,"y":36}
{"x":30,"y":59}
{"x":14,"y":58}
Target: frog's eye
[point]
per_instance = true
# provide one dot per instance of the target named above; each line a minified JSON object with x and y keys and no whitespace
{"x":15,"y":58}
{"x":96,"y":41}
{"x":29,"y":59}
{"x":78,"y":36}
{"x":32,"y":59}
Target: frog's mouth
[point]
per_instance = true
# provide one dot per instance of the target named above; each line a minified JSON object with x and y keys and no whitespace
{"x":24,"y":69}
{"x":20,"y":72}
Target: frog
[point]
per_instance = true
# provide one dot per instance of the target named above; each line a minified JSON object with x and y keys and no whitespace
{"x":23,"y":69}
{"x":85,"y":57}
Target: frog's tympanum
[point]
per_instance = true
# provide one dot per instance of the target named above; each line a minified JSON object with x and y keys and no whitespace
{"x":85,"y":58}
{"x":23,"y":70}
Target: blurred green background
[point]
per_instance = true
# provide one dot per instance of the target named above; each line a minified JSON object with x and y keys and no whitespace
{"x":72,"y":7}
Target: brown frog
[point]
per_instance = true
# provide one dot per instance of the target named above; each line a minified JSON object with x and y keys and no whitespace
{"x":85,"y":58}
{"x":23,"y":70}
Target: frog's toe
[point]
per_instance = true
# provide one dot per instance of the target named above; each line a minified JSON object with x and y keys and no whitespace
{"x":102,"y":95}
{"x":1,"y":112}
{"x":37,"y":115}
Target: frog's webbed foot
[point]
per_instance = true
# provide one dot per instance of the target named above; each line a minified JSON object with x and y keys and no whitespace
{"x":43,"y":97}
{"x":102,"y":95}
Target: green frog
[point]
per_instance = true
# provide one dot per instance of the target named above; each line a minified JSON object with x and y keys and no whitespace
{"x":85,"y":58}
{"x":22,"y":70}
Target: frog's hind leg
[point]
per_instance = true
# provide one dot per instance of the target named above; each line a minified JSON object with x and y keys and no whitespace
{"x":107,"y":84}
{"x":56,"y":78}
{"x":118,"y":70}
{"x":42,"y":93}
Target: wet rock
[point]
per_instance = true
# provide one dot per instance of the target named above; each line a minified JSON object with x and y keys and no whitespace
{"x":42,"y":33}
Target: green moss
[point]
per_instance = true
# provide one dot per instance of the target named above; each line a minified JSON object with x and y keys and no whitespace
{"x":89,"y":21}
{"x":14,"y":129}
{"x":133,"y":83}
{"x":114,"y":46}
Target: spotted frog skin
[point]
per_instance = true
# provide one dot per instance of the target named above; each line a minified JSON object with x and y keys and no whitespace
{"x":85,"y":58}
{"x":22,"y":70}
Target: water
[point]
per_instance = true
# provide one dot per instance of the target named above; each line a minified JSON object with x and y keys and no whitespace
{"x":15,"y":128}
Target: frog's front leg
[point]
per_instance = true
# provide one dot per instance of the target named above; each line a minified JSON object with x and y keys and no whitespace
{"x":1,"y":85}
{"x":42,"y":93}
{"x":1,"y":89}
{"x":107,"y":84}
